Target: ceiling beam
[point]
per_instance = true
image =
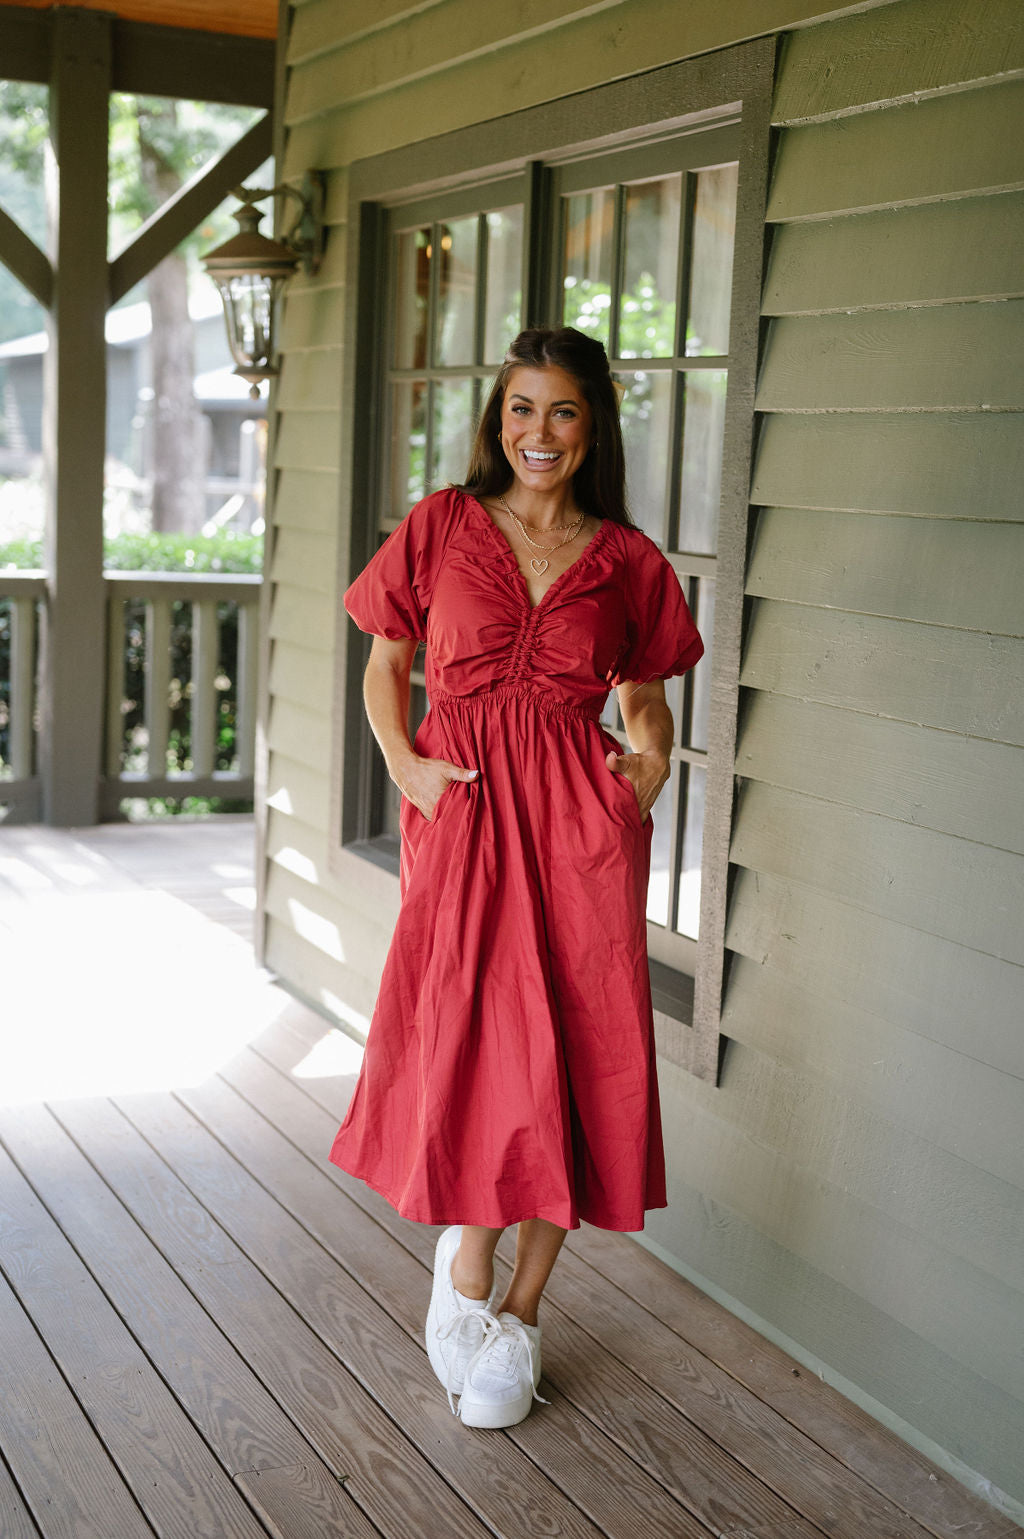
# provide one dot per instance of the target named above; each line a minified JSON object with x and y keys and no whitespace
{"x":151,"y":60}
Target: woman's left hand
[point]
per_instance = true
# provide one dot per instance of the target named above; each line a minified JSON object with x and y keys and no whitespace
{"x":646,"y":772}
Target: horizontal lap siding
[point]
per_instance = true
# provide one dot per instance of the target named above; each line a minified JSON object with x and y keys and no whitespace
{"x":874,"y":1002}
{"x":855,"y":1178}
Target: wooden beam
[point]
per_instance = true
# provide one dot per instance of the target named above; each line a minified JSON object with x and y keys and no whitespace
{"x":200,"y":66}
{"x":26,"y":36}
{"x":151,"y":60}
{"x":21,"y":256}
{"x":74,"y":421}
{"x":180,"y":215}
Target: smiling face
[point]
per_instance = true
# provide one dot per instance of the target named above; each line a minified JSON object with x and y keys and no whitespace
{"x":545,"y":428}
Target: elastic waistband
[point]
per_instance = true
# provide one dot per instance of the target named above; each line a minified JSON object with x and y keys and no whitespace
{"x":507,"y":694}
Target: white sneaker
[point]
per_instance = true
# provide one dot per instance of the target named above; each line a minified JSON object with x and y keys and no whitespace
{"x":455,"y":1324}
{"x":501,"y":1380}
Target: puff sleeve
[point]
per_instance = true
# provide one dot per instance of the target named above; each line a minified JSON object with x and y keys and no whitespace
{"x":391,"y":596}
{"x":661,"y":637}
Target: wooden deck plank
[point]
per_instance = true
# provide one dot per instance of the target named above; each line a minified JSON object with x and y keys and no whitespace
{"x":506,"y":1494}
{"x":382,"y":1457}
{"x":605,"y":1482}
{"x":66,"y":1476}
{"x":273,"y":1306}
{"x":767,"y":1445}
{"x":15,"y":1519}
{"x":167,"y":1467}
{"x":241,"y":1421}
{"x":898,"y":1472}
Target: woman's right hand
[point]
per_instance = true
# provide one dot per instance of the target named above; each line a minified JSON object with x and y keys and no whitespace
{"x":424,"y":781}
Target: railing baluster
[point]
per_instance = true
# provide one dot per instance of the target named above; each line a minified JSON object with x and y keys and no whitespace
{"x":23,"y":682}
{"x":115,"y":685}
{"x":158,"y":683}
{"x":204,"y":673}
{"x":246,"y":669}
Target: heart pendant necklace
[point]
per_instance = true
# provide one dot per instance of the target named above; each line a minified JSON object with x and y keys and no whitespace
{"x":540,"y":564}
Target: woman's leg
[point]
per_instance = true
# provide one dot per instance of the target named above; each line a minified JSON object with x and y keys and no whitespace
{"x":537,"y":1247}
{"x":473,"y":1262}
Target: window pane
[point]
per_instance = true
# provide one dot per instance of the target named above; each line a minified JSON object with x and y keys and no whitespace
{"x":412,"y":298}
{"x":646,"y":436}
{"x":456,"y":299}
{"x":703,"y":427}
{"x":453,"y":430}
{"x":647,"y":306}
{"x":705,"y":618}
{"x":714,"y":227}
{"x":504,"y":299}
{"x":660,"y":882}
{"x":589,"y":234}
{"x":408,"y":445}
{"x":688,"y":908}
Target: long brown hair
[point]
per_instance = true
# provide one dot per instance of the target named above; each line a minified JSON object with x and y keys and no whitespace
{"x":599,"y":485}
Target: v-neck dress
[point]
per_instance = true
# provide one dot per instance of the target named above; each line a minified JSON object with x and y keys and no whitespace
{"x":509,"y":1070}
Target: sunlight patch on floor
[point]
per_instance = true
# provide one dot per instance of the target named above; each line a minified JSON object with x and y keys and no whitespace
{"x":333,"y":1055}
{"x":123,"y":991}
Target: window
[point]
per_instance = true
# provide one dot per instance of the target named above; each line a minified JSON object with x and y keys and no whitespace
{"x":631,"y":238}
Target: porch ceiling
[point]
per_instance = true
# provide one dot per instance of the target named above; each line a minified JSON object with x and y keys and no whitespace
{"x":244,"y":18}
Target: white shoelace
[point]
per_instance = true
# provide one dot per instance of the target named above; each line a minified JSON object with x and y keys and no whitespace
{"x":457,"y":1324}
{"x":501,"y":1338}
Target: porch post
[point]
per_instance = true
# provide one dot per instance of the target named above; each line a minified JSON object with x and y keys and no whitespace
{"x":74,"y":419}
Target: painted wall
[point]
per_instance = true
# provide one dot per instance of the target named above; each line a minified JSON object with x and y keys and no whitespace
{"x":855,"y":1182}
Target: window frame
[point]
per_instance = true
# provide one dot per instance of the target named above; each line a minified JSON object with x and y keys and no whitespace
{"x":736,"y":82}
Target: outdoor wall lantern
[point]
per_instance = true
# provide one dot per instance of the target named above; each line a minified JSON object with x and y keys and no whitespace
{"x":250,"y":271}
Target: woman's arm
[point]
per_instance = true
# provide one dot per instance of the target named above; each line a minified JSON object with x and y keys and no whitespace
{"x":386,"y":695}
{"x":648,"y":723}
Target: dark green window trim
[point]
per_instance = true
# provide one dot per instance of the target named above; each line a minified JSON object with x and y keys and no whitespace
{"x":735,"y":84}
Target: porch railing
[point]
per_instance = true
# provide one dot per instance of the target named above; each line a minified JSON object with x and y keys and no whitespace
{"x":22,"y":597}
{"x":182,"y":654}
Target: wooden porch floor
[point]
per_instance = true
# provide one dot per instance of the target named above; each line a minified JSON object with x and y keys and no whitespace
{"x":207,"y":1331}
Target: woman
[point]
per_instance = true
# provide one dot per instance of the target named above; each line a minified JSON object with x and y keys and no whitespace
{"x":509,"y":1074}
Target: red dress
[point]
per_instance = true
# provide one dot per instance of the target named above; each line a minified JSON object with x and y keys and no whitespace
{"x":509,"y":1070}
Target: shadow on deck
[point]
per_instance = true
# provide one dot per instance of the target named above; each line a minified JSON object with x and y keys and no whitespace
{"x":209,"y":1332}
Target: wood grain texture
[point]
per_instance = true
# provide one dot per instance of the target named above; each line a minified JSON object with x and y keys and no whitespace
{"x":888,"y":1464}
{"x":967,"y":466}
{"x":943,"y":572}
{"x":385,"y":1475}
{"x":933,"y":253}
{"x":964,"y":892}
{"x":954,"y":680}
{"x":907,"y":53}
{"x":950,"y":146}
{"x":15,"y":1522}
{"x":942,"y":780}
{"x":921,"y":982}
{"x":708,"y":1397}
{"x":954,"y":358}
{"x":244,"y":18}
{"x":65,"y":1475}
{"x":179,"y":1485}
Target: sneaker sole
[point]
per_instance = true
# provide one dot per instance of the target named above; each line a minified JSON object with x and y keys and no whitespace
{"x":493,"y":1416}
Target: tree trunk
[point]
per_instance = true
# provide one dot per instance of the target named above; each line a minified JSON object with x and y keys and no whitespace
{"x":176,"y":427}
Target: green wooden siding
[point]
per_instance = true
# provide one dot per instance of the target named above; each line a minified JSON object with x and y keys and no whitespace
{"x":855,"y":1183}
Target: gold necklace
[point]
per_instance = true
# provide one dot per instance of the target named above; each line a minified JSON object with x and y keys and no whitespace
{"x":540,"y":565}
